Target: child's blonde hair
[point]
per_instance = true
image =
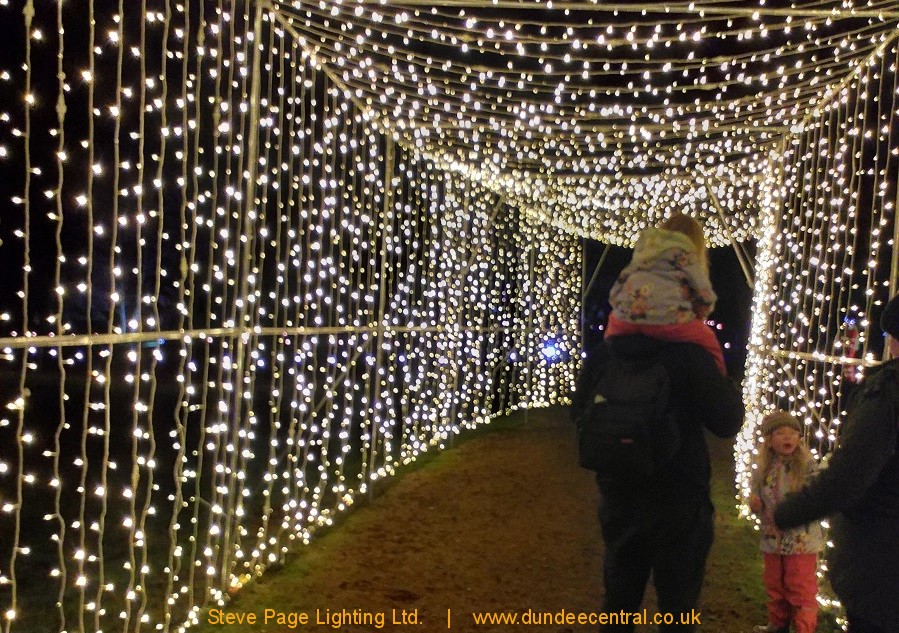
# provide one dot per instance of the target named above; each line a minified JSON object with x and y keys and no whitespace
{"x":681,"y":223}
{"x":797,"y":463}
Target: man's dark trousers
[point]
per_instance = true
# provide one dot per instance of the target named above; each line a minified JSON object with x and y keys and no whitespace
{"x":654,"y":529}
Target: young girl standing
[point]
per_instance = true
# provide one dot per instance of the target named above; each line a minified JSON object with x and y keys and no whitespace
{"x":790,"y":557}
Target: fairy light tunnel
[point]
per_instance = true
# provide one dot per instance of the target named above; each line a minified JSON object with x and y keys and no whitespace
{"x":257,"y":254}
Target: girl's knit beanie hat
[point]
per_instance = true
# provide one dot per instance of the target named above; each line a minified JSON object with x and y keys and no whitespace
{"x":778,"y":419}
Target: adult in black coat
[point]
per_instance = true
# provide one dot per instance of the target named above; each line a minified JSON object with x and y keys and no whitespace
{"x":663,"y":525}
{"x":860,"y":488}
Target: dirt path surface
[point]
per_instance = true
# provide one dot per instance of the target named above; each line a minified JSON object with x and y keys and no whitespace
{"x":505,"y":522}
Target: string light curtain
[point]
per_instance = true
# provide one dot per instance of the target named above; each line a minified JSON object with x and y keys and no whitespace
{"x":231,"y":303}
{"x":602,"y":117}
{"x":827,"y":259}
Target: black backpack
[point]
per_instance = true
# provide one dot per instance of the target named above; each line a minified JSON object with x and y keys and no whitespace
{"x":627,"y":428}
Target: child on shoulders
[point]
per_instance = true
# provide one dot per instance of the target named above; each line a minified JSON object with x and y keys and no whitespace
{"x":665,"y":292}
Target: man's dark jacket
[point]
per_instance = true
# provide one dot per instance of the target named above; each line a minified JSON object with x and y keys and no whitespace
{"x":702,"y":398}
{"x":860,"y":486}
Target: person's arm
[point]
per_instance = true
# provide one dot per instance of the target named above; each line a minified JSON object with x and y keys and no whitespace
{"x":704,"y":296}
{"x":811,"y":470}
{"x":587,"y":379}
{"x":868,"y":442}
{"x":755,"y":491}
{"x":714,"y":398}
{"x":616,"y":297}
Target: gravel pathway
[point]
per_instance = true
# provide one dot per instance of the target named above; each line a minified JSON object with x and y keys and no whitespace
{"x":504,"y":522}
